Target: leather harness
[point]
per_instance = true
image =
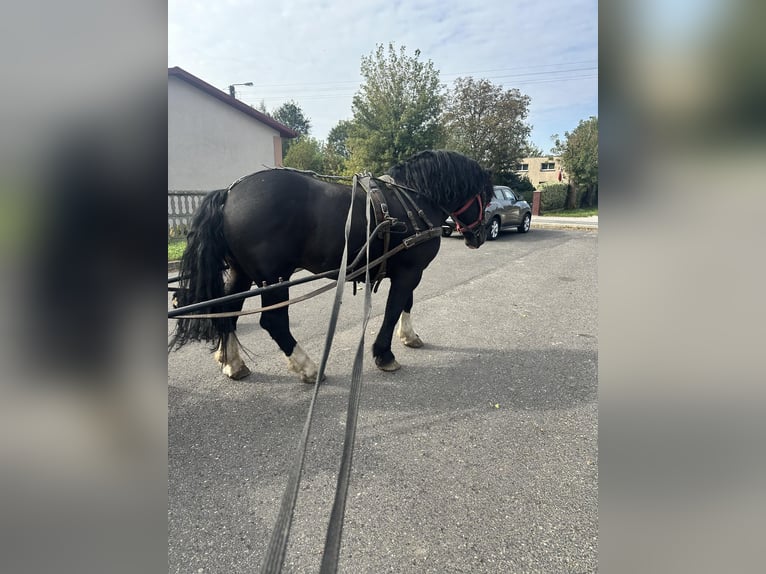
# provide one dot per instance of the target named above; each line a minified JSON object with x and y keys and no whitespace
{"x":373,"y":186}
{"x":384,"y":223}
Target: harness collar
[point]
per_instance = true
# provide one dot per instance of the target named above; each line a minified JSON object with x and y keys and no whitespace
{"x":417,"y":217}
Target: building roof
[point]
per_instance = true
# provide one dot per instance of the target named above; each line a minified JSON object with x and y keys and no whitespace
{"x":182,"y":74}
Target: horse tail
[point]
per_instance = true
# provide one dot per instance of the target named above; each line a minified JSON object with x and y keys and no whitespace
{"x":201,"y":273}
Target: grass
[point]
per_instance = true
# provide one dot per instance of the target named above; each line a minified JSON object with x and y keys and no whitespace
{"x":582,"y":212}
{"x":176,"y":248}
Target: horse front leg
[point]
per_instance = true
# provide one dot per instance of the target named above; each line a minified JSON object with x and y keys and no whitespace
{"x":404,"y":328}
{"x":399,"y":297}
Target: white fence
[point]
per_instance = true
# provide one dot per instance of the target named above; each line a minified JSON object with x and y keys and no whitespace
{"x":181,"y":207}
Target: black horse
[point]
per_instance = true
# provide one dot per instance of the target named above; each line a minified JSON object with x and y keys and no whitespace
{"x":272,"y":222}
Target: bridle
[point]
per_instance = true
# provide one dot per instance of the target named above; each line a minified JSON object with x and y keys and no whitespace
{"x":462,"y":227}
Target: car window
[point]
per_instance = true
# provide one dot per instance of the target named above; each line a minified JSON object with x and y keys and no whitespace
{"x":509,"y":195}
{"x":499,"y":193}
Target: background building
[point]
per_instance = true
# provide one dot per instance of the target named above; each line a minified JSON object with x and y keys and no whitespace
{"x":542,"y":170}
{"x":213,"y":138}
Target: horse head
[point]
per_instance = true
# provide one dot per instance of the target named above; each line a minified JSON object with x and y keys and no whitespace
{"x":469,"y":220}
{"x":456,"y":183}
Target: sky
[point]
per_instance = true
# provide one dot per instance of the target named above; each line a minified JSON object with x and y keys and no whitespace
{"x":310,"y":51}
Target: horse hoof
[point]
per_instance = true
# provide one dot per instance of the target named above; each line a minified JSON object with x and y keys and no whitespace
{"x":312,"y":380}
{"x":389,"y":367}
{"x":415,"y":343}
{"x":240,"y":373}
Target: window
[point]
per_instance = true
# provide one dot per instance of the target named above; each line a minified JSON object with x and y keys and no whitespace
{"x":522,"y":167}
{"x":548,"y":166}
{"x":499,"y":193}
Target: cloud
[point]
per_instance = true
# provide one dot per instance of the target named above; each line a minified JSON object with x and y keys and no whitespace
{"x":310,"y":51}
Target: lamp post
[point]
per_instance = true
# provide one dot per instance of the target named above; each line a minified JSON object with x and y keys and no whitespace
{"x":231,"y":88}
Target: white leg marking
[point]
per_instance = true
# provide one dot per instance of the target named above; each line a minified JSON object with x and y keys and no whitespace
{"x":406,"y":333}
{"x":234,"y":367}
{"x":219,"y":353}
{"x":299,"y":362}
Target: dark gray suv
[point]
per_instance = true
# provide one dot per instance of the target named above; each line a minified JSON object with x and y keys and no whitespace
{"x":507,"y":209}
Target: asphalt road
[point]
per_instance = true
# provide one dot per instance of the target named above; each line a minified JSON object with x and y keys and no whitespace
{"x":479,"y":455}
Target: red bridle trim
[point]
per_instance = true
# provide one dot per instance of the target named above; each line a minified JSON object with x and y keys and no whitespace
{"x":468,"y":204}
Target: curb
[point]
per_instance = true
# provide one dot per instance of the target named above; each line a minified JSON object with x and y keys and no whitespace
{"x":173,"y":266}
{"x":573,"y":225}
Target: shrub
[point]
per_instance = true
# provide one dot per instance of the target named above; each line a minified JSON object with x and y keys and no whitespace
{"x":513,"y":180}
{"x":553,"y":197}
{"x":526,"y":196}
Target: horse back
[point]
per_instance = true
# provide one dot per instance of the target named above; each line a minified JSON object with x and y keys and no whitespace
{"x":290,"y":219}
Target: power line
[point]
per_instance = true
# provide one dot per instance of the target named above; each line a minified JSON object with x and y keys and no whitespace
{"x":547,"y":72}
{"x":516,"y":72}
{"x":522,"y":69}
{"x":309,"y":96}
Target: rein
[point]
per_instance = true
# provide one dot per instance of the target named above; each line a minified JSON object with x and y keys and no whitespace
{"x":277,"y":548}
{"x":275,"y":554}
{"x":382,"y":230}
{"x":179,"y":313}
{"x":407,"y":243}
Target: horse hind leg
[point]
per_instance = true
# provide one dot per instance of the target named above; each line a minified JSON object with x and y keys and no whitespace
{"x":229,"y":359}
{"x":227,"y":354}
{"x":301,"y":364}
{"x":277,"y":323}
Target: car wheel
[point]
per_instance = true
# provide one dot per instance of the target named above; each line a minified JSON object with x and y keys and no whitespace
{"x":494,"y":229}
{"x":524,"y":227}
{"x":446,"y":231}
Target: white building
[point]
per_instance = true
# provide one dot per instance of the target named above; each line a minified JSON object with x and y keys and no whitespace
{"x":213,"y":138}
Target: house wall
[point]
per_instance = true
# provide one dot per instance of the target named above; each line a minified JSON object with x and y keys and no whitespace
{"x":538,"y":177}
{"x":211,"y":144}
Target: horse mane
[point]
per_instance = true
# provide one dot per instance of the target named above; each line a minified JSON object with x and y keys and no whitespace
{"x":448,"y":178}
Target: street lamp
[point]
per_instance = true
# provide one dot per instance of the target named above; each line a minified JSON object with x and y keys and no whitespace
{"x":231,"y":88}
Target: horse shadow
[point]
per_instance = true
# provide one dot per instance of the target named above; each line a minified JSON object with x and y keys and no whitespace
{"x":232,"y":444}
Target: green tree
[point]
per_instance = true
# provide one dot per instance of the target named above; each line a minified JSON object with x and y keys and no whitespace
{"x":579,"y":156}
{"x":487,"y":123}
{"x":291,"y":115}
{"x":396,"y":110}
{"x":335,"y":150}
{"x":337,"y":139}
{"x":515,"y":181}
{"x":531,"y":150}
{"x":305,"y":153}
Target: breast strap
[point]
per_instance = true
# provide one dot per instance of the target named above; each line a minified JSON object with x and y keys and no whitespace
{"x":372,"y":185}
